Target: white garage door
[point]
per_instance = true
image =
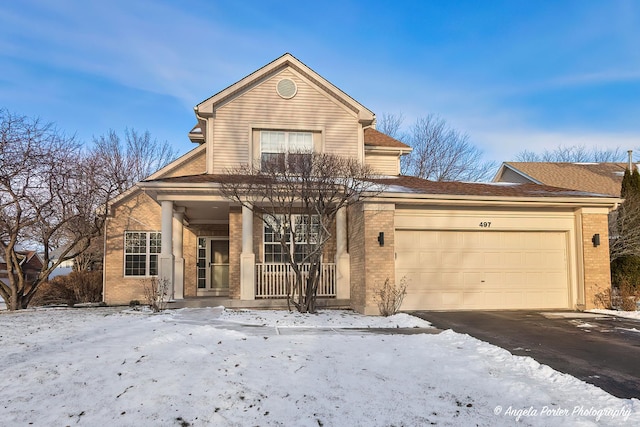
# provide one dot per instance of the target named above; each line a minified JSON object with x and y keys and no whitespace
{"x":457,"y":270}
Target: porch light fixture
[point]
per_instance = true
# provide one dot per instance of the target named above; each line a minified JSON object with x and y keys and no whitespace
{"x":596,"y":240}
{"x":381,"y":238}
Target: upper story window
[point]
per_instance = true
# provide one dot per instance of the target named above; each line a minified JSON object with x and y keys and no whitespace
{"x":276,"y":145}
{"x":141,"y":251}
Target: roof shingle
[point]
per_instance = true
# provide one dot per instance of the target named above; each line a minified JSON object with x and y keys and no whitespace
{"x":602,"y":178}
{"x":376,"y":138}
{"x":411,"y":184}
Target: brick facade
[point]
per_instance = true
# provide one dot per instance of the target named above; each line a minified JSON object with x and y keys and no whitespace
{"x":597,"y":273}
{"x":371,"y":263}
{"x":137,"y":213}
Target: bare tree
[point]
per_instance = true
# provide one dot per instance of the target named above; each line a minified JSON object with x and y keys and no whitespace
{"x":573,"y":154}
{"x":441,"y":153}
{"x":297,"y":196}
{"x":48,"y":199}
{"x":125,"y":162}
{"x":391,"y":124}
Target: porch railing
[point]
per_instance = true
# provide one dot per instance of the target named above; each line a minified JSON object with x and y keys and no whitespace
{"x":272,"y":279}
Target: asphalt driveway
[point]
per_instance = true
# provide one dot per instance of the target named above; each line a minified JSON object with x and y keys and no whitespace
{"x":601,"y":350}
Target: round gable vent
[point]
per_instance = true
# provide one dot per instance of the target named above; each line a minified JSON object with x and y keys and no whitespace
{"x":286,"y":88}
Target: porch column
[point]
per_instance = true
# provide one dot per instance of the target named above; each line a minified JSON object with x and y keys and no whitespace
{"x":166,"y":264}
{"x":247,"y":257}
{"x":343,"y":263}
{"x":178,"y":218}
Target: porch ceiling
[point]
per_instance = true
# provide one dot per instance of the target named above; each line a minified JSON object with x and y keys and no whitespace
{"x":204,"y":212}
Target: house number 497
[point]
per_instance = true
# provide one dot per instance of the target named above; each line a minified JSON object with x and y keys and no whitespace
{"x":485,"y":224}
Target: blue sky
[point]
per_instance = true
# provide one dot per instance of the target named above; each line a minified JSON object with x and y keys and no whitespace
{"x":512,"y":74}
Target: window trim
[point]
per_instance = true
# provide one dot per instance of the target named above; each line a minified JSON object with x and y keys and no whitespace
{"x":147,"y":253}
{"x":286,"y":144}
{"x":314,"y":218}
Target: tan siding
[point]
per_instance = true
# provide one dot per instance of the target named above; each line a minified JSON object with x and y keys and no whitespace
{"x":194,"y":166}
{"x":261,"y":107}
{"x":383,"y":163}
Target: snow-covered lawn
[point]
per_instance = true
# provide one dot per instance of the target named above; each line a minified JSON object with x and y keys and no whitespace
{"x":197,"y":367}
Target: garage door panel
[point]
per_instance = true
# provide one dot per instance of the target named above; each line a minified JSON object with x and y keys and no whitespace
{"x":429,"y":257}
{"x":427,"y":241}
{"x":408,"y":260}
{"x":495,"y":260}
{"x":472,"y":279}
{"x":451,"y":259}
{"x":483,"y":270}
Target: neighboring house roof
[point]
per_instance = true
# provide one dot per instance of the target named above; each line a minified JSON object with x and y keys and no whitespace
{"x":599,"y":178}
{"x":30,"y":260}
{"x":375,"y":138}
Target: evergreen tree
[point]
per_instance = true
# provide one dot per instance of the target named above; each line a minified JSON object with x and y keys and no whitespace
{"x":624,"y":233}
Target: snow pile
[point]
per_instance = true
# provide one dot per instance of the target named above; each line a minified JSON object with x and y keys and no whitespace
{"x":101,"y":366}
{"x":324,"y":318}
{"x":625,"y":314}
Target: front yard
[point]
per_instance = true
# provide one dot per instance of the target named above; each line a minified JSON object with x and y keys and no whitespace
{"x":106,"y":366}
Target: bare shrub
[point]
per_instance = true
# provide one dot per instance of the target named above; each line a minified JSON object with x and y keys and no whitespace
{"x":626,"y":296}
{"x":54,"y":292}
{"x":86,"y":285}
{"x":603,"y":299}
{"x":76,"y":287}
{"x":390,"y":296}
{"x":156,"y":293}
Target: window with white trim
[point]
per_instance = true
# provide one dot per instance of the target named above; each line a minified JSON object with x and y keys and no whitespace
{"x":305,"y":237}
{"x":275,"y":145}
{"x":141,"y":249}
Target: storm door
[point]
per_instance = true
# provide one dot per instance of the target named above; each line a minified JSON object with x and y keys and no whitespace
{"x":213,"y":266}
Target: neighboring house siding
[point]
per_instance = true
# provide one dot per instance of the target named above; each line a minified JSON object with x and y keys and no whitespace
{"x":383,"y":163}
{"x":509,"y":175}
{"x":261,"y":107}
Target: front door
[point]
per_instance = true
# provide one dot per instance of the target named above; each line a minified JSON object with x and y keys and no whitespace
{"x":213,"y":266}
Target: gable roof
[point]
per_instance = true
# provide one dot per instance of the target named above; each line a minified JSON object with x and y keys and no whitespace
{"x":375,"y":138}
{"x":189,"y":155}
{"x":601,"y":178}
{"x":208,"y":106}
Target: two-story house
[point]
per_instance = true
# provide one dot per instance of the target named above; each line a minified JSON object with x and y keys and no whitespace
{"x":457,"y":245}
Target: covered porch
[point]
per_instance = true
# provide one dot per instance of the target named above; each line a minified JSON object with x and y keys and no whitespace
{"x":213,"y":251}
